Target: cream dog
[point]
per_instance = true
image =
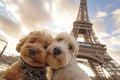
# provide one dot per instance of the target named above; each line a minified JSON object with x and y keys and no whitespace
{"x":32,"y":62}
{"x":62,"y":59}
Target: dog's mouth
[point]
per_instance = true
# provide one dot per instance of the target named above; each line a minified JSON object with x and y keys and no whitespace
{"x":33,"y":61}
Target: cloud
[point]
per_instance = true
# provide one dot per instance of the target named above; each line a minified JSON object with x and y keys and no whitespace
{"x":2,"y":37}
{"x":98,"y":21}
{"x":1,"y":4}
{"x":117,"y":31}
{"x":115,"y":38}
{"x":99,"y":25}
{"x":99,"y":28}
{"x":114,"y":53}
{"x":30,"y":12}
{"x":33,"y":12}
{"x":8,"y":26}
{"x":110,"y":40}
{"x":116,"y":18}
{"x":101,"y":14}
{"x":66,"y":5}
{"x":113,"y":41}
{"x":64,"y":13}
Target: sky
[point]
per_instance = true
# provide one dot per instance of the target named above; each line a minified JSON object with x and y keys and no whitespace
{"x":19,"y":17}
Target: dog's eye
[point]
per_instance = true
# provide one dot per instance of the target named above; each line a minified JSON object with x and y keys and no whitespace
{"x":32,"y":41}
{"x":59,"y":40}
{"x":70,"y":47}
{"x":45,"y":47}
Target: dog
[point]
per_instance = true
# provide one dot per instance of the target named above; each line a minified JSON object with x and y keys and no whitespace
{"x":32,"y":62}
{"x":62,"y":58}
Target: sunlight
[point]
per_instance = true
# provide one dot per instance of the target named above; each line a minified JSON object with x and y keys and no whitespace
{"x":24,"y":30}
{"x":20,"y":1}
{"x":11,"y":42}
{"x":62,"y":19}
{"x":1,"y":4}
{"x":12,"y":7}
{"x":47,"y":6}
{"x":80,"y":38}
{"x":9,"y":39}
{"x":86,"y":69}
{"x":106,"y":73}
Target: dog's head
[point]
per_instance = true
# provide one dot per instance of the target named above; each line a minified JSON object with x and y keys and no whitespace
{"x":62,"y":50}
{"x":33,"y":47}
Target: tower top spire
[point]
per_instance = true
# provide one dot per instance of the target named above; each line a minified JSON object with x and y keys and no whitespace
{"x":83,"y":12}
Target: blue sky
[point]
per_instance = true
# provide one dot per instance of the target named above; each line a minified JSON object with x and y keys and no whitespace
{"x":104,"y":6}
{"x":19,"y":17}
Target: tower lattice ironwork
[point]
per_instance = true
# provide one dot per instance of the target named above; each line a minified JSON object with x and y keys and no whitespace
{"x":91,"y":49}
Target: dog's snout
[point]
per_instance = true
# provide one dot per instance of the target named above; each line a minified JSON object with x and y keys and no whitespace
{"x":57,"y":51}
{"x":32,"y":51}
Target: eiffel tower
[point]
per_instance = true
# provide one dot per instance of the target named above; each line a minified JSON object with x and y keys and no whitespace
{"x":95,"y":53}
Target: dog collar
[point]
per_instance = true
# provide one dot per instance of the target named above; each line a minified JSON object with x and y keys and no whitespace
{"x":32,"y":73}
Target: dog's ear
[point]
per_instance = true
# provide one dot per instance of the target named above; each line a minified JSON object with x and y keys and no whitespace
{"x":20,"y":44}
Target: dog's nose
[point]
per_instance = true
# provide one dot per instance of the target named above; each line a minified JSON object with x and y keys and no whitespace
{"x":57,"y":51}
{"x":32,"y":51}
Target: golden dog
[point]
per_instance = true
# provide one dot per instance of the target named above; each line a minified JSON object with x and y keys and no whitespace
{"x":32,"y":62}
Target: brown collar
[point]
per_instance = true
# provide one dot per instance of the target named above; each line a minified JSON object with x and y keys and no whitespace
{"x":32,"y":73}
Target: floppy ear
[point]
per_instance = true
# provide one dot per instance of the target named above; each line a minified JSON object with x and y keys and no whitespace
{"x":20,"y":44}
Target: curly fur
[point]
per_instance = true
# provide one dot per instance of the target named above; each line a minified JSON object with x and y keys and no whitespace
{"x":62,"y":58}
{"x":37,"y":40}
